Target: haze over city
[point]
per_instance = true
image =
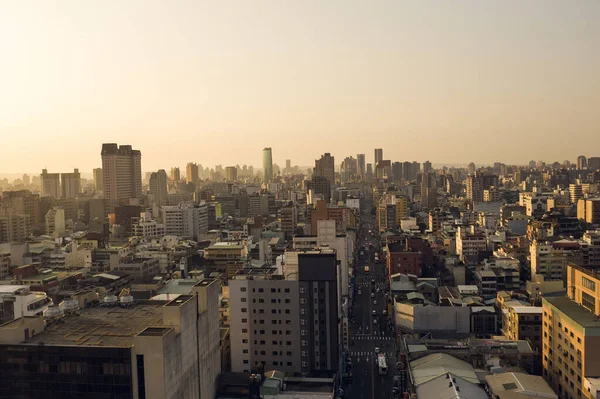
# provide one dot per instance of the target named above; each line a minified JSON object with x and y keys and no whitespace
{"x":215,"y":82}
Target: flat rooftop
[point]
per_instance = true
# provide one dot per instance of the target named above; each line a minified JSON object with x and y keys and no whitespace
{"x":101,"y":326}
{"x":573,"y":311}
{"x":324,"y":385}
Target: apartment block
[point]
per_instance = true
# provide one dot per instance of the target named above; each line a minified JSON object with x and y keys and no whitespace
{"x":571,"y":335}
{"x":185,"y":220}
{"x":122,"y":174}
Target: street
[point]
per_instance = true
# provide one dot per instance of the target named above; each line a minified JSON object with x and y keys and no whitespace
{"x":370,"y":328}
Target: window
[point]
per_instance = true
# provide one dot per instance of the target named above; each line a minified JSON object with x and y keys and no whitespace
{"x":289,"y":363}
{"x":273,"y":300}
{"x":287,"y":290}
{"x":587,"y":283}
{"x":141,"y":377}
{"x":243,"y":289}
{"x":244,"y":330}
{"x":273,"y":290}
{"x":244,"y":299}
{"x":274,"y":342}
{"x":274,"y":353}
{"x":261,"y":311}
{"x":244,"y":320}
{"x":578,"y":340}
{"x":288,"y":342}
{"x":261,"y":300}
{"x":263,"y":353}
{"x":288,"y":332}
{"x":273,"y":321}
{"x":275,"y":363}
{"x":287,"y":301}
{"x":244,"y":341}
{"x":588,"y":301}
{"x":244,"y":310}
{"x":273,"y":311}
{"x":245,"y":351}
{"x":288,"y":353}
{"x":261,"y":290}
{"x":262,"y":342}
{"x":245,"y":361}
{"x":287,"y":311}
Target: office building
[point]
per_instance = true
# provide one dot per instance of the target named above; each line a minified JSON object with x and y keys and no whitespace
{"x":267,"y":165}
{"x":268,"y":310}
{"x":581,"y":162}
{"x":185,"y":220}
{"x":369,"y":170}
{"x":70,"y":184}
{"x":98,"y":179}
{"x":575,"y":193}
{"x":378,"y":156}
{"x":475,"y":187}
{"x":593,"y":164}
{"x":159,"y":349}
{"x":349,"y":169}
{"x":50,"y":184}
{"x":362,"y":166}
{"x":122,"y":174}
{"x":175,"y":174}
{"x":427,"y":167}
{"x":571,"y":335}
{"x":22,"y":202}
{"x":231,"y":173}
{"x":18,"y":300}
{"x":289,"y":219}
{"x":588,"y":210}
{"x":192,"y":173}
{"x":158,"y":187}
{"x":471,"y":169}
{"x":55,"y":222}
{"x":325,"y":167}
{"x":319,"y":185}
{"x":397,"y":171}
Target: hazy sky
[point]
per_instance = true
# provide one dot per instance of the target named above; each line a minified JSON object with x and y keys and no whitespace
{"x":216,"y":81}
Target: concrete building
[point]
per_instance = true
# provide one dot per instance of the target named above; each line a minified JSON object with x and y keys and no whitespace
{"x":289,"y":219}
{"x":536,"y":204}
{"x":588,"y":211}
{"x":325,"y":167}
{"x":152,"y":350}
{"x":185,"y":220}
{"x":392,"y":209}
{"x":50,"y":184}
{"x":55,"y":222}
{"x":191,"y":173}
{"x":175,"y":174}
{"x":362,"y":168}
{"x":142,"y":227}
{"x":511,"y":385}
{"x":581,"y":162}
{"x":469,"y":241}
{"x":14,"y":227}
{"x":571,"y":335}
{"x":378,"y":156}
{"x":70,"y":184}
{"x":158,"y":187}
{"x":22,"y":202}
{"x":144,"y":269}
{"x":122,"y":174}
{"x":267,"y":158}
{"x":268,"y":310}
{"x":524,"y":323}
{"x":18,"y":300}
{"x":550,"y":258}
{"x":227,"y":256}
{"x":231,"y":173}
{"x":98,"y":179}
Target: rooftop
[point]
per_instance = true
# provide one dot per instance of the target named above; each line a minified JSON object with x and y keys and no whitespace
{"x":178,"y":286}
{"x":572,"y":310}
{"x":99,"y":326}
{"x":519,"y":386}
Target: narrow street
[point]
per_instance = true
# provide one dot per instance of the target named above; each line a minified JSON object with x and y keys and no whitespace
{"x":371,"y":329}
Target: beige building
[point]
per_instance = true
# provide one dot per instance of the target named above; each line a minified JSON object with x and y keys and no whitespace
{"x":156,"y":350}
{"x":588,"y":210}
{"x":14,"y":227}
{"x":571,"y":335}
{"x":50,"y":183}
{"x":122,"y":174}
{"x":70,"y":184}
{"x":523,"y":323}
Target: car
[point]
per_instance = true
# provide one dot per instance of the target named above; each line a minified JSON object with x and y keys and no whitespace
{"x":374,"y":321}
{"x":374,"y":313}
{"x":378,"y":290}
{"x":376,"y":350}
{"x":384,"y":312}
{"x":372,"y":295}
{"x":359,"y":292}
{"x":374,"y":302}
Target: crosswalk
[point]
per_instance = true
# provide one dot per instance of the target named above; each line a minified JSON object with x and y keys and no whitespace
{"x":373,"y":337}
{"x":359,"y":354}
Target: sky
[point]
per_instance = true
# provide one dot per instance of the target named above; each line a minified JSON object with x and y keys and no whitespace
{"x":214,"y":82}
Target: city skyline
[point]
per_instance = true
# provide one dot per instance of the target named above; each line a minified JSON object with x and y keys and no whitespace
{"x":416,"y":80}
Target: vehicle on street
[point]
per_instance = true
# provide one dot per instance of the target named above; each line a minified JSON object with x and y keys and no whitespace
{"x":384,"y":312}
{"x":372,"y":295}
{"x":374,"y":313}
{"x":359,"y":292}
{"x":374,"y":321}
{"x":374,"y":302}
{"x":382,"y":364}
{"x":378,"y":290}
{"x":376,"y":350}
{"x":366,"y":269}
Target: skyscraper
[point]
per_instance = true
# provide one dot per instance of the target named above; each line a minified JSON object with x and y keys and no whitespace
{"x":122,"y":174}
{"x":471,"y":169}
{"x":175,"y":174}
{"x":581,"y":162}
{"x":362,"y":167}
{"x":267,"y":165}
{"x":191,"y":173}
{"x":378,"y":156}
{"x":50,"y":184}
{"x":158,"y":187}
{"x":325,"y":167}
{"x":70,"y":184}
{"x":231,"y":173}
{"x":427,"y":167}
{"x":98,"y":179}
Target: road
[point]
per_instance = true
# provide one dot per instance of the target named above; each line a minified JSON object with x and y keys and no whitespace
{"x":367,"y":330}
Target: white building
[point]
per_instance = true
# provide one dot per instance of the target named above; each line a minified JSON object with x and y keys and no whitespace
{"x":18,"y":300}
{"x":185,"y":220}
{"x":55,"y":222}
{"x":469,"y":241}
{"x":418,"y":318}
{"x":147,"y":228}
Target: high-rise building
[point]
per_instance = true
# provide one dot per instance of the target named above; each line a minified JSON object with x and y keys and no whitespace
{"x":475,"y":187}
{"x":98,"y":179}
{"x":471,"y":169}
{"x":427,"y":167}
{"x":122,"y":174}
{"x":320,"y":185}
{"x":288,"y":165}
{"x":231,"y":173}
{"x":175,"y":174}
{"x":349,"y":169}
{"x":397,"y":171}
{"x":593,"y":163}
{"x":185,"y":220}
{"x":362,"y":167}
{"x":406,"y":170}
{"x":158,"y":187}
{"x":23,"y":202}
{"x":588,"y":211}
{"x":291,"y":322}
{"x":378,"y":156}
{"x":325,"y":167}
{"x":14,"y":227}
{"x":267,"y":164}
{"x":50,"y":184}
{"x":71,"y":184}
{"x":570,"y":335}
{"x":369,"y":169}
{"x":581,"y":162}
{"x":191,"y":173}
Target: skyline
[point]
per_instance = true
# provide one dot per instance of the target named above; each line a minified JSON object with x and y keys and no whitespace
{"x":214,"y":84}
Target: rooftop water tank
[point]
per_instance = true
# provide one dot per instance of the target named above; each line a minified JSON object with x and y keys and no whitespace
{"x":69,"y":305}
{"x":126,"y":300}
{"x":53,"y":312}
{"x":110,"y":300}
